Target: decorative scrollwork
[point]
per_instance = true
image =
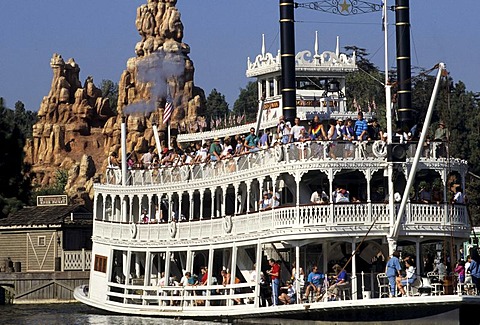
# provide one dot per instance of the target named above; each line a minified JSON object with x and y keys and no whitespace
{"x":379,"y":148}
{"x":342,"y":7}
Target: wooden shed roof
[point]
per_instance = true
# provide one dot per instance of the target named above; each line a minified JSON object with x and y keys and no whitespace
{"x":46,"y":215}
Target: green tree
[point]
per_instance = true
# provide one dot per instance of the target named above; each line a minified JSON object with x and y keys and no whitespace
{"x":247,"y":102}
{"x":58,"y":186}
{"x":14,"y":186}
{"x":110,"y":91}
{"x":216,"y":105}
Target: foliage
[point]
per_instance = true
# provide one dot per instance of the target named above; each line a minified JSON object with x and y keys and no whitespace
{"x":216,"y":105}
{"x":247,"y":102}
{"x":110,"y":91}
{"x":14,"y":185}
{"x":365,"y":87}
{"x":57,"y":188}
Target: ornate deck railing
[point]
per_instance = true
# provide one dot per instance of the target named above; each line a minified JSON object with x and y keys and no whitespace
{"x":322,"y":218}
{"x":302,"y":151}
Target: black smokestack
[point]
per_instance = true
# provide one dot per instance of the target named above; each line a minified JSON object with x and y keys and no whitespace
{"x":406,"y":114}
{"x":287,"y":49}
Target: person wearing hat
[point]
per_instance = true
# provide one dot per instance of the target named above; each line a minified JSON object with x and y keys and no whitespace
{"x":266,"y":202}
{"x":340,"y":280}
{"x":288,"y":295}
{"x":339,"y":127}
{"x":215,"y":150}
{"x":441,"y":135}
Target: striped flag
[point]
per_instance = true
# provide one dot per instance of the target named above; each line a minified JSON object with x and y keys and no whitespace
{"x":167,"y":112}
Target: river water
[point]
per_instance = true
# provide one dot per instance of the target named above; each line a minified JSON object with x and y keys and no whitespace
{"x":77,"y":314}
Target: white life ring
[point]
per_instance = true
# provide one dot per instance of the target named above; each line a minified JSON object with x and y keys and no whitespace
{"x":227,"y":224}
{"x":278,"y":153}
{"x":172,"y":228}
{"x":379,"y":148}
{"x":133,"y":230}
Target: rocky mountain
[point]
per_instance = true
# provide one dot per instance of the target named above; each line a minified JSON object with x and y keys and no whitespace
{"x":77,"y":129}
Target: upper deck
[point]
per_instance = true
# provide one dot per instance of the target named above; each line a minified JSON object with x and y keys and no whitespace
{"x":205,"y":192}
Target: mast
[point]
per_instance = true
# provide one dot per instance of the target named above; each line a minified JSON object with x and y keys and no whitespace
{"x":287,"y":46}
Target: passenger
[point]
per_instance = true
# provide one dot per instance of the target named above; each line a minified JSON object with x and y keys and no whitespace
{"x":332,"y":135}
{"x":459,"y":197}
{"x":299,"y":280}
{"x":318,"y":196}
{"x":215,"y":150}
{"x":475,"y":267}
{"x":275,"y":198}
{"x":114,"y":168}
{"x":468,"y":276}
{"x":441,"y":270}
{"x":144,"y":216}
{"x":227,"y":151}
{"x":392,"y":270}
{"x":131,"y":160}
{"x":264,"y":141}
{"x":460,"y":270}
{"x":317,"y":130}
{"x":340,"y":280}
{"x":348,"y":135}
{"x":239,"y":148}
{"x":361,"y":128}
{"x":284,"y":130}
{"x":342,"y":195}
{"x":251,"y":142}
{"x":314,"y":283}
{"x":296,"y":131}
{"x":274,"y":273}
{"x":409,"y":278}
{"x":288,"y":296}
{"x":424,"y":195}
{"x":265,"y":203}
{"x":147,"y":157}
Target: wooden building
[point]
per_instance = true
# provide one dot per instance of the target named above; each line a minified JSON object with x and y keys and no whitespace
{"x":39,"y":239}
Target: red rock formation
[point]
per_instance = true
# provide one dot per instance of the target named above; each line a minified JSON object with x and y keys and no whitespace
{"x":77,"y":129}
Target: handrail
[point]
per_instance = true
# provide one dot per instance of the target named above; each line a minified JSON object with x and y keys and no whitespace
{"x":292,"y":152}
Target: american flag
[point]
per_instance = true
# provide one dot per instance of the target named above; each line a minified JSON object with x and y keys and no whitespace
{"x":167,"y":112}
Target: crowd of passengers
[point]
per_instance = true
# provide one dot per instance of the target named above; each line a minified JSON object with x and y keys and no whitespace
{"x":337,"y":131}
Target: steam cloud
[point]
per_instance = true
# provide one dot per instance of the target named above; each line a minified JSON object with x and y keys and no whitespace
{"x":155,"y":70}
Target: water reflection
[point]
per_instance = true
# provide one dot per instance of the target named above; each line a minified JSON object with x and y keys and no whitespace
{"x":77,"y":314}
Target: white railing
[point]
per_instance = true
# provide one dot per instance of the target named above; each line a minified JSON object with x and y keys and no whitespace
{"x":76,"y":260}
{"x":300,"y":151}
{"x":178,"y":297}
{"x":338,"y":215}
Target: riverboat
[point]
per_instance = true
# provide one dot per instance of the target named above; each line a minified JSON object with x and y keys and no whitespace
{"x":206,"y":221}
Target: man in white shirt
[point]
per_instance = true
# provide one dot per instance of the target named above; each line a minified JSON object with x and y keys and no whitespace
{"x":296,"y":130}
{"x":318,"y":196}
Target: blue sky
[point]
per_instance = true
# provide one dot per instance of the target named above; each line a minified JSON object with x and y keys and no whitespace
{"x":101,"y":35}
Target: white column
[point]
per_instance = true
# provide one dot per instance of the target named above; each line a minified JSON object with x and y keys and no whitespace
{"x":209,"y":268}
{"x":202,"y":197}
{"x":258,"y":269}
{"x":224,"y":201}
{"x":233,"y":271}
{"x":191,"y":207}
{"x":297,"y":272}
{"x":235,"y":207}
{"x":353,"y":282}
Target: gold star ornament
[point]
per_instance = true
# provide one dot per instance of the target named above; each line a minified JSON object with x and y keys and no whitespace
{"x":344,"y":6}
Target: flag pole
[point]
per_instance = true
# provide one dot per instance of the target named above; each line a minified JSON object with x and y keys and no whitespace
{"x":169,"y":135}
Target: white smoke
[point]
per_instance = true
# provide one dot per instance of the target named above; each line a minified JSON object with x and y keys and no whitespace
{"x":155,"y":70}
